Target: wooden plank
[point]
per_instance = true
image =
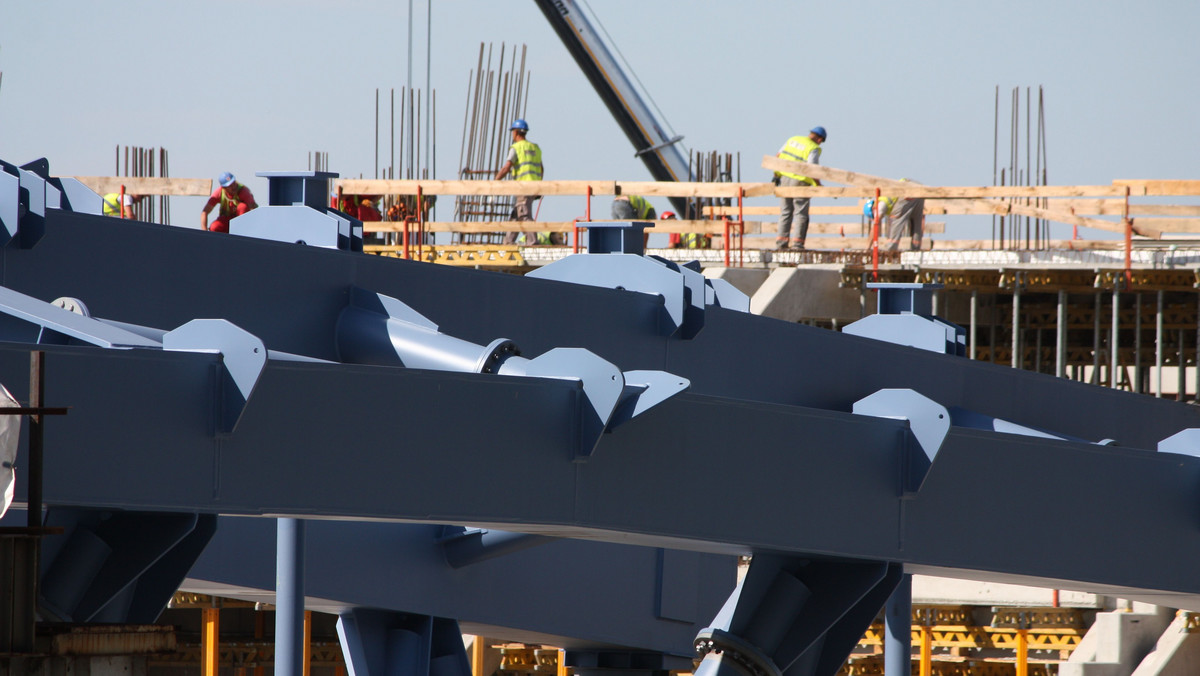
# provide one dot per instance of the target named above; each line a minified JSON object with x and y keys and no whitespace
{"x":546,"y":188}
{"x":1082,"y":221}
{"x":1159,"y":187}
{"x":685,"y":189}
{"x":825,"y":173}
{"x":147,"y":185}
{"x":814,"y":210}
{"x":1168,"y":224}
{"x":959,"y":192}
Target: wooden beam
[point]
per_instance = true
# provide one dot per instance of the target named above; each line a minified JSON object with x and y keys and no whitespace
{"x":148,"y":185}
{"x":958,"y":192}
{"x":576,"y":188}
{"x":830,"y":174}
{"x":814,"y":210}
{"x":1159,"y":187}
{"x":1081,"y":221}
{"x":1168,"y":224}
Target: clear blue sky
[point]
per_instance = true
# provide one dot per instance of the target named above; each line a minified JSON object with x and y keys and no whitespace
{"x":904,"y":88}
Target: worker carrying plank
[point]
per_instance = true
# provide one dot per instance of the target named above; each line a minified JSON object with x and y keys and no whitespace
{"x":793,"y":211}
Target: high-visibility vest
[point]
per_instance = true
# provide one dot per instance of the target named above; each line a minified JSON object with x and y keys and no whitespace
{"x":885,"y":205}
{"x":529,"y":161}
{"x":229,"y":204}
{"x":693,"y":240}
{"x":112,"y":204}
{"x":642,"y":209}
{"x":798,"y":149}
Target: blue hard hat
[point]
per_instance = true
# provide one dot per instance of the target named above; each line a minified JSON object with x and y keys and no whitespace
{"x":819,"y":131}
{"x":521,"y":125}
{"x":869,"y":208}
{"x":226,"y":179}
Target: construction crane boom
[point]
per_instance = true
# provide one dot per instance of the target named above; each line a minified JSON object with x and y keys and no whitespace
{"x":660,"y":152}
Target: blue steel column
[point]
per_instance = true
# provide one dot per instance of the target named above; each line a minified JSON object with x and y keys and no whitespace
{"x":289,"y":597}
{"x":897,"y":630}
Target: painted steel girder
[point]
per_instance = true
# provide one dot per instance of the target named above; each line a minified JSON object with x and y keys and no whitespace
{"x":290,"y":297}
{"x":569,"y":593}
{"x":321,"y":440}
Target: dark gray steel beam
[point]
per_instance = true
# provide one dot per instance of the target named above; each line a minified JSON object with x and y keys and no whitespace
{"x":795,"y":480}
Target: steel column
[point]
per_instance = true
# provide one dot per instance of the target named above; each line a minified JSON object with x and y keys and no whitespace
{"x":289,"y":597}
{"x":1158,"y":347}
{"x":974,"y":319}
{"x":1016,"y":323}
{"x":897,"y":630}
{"x":1060,"y":347}
{"x":1096,"y":309}
{"x":1114,"y":346}
{"x":1181,"y":370}
{"x":1139,"y":380}
{"x":210,"y":653}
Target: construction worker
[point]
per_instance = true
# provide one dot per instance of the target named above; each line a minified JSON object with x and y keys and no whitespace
{"x":632,"y":207}
{"x":793,"y":211}
{"x":112,"y":204}
{"x":898,"y":217}
{"x":235,"y":199}
{"x":525,"y":163}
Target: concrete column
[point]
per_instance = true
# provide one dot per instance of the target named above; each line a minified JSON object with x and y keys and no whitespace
{"x":289,"y":597}
{"x":897,"y":630}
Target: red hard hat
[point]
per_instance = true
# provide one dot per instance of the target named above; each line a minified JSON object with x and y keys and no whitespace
{"x":668,"y":215}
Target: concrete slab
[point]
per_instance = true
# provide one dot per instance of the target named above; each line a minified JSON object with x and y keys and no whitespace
{"x":809,"y":292}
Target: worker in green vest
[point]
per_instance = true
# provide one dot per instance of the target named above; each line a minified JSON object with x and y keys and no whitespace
{"x":525,"y":163}
{"x":793,"y":211}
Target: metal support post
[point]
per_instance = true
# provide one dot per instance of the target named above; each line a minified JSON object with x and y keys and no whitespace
{"x":897,"y":630}
{"x":1023,"y":645}
{"x":974,"y":319}
{"x":1114,"y":343}
{"x":1181,"y":372}
{"x":1096,"y":311}
{"x":1197,"y":373}
{"x":1060,"y":346}
{"x":37,"y":385}
{"x":1139,"y":382}
{"x":210,"y":654}
{"x":307,"y":643}
{"x":289,"y":597}
{"x":1158,"y":347}
{"x":562,"y":663}
{"x":1016,"y":322}
{"x":925,"y":666}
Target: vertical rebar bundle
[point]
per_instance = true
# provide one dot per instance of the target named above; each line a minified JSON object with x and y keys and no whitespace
{"x":1036,"y":231}
{"x":712,"y":167}
{"x":406,"y":162}
{"x":318,"y":160}
{"x":494,"y":99}
{"x":145,"y":162}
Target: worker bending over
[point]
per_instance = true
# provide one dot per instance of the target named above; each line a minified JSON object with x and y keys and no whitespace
{"x":234,"y":198}
{"x":898,"y":217}
{"x":632,"y":208}
{"x":793,"y":211}
{"x":525,"y":163}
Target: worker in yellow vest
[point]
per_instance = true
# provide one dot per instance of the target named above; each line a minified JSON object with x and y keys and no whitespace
{"x":525,"y":163}
{"x":793,"y":211}
{"x":112,"y":204}
{"x":632,"y":208}
{"x":905,"y":215}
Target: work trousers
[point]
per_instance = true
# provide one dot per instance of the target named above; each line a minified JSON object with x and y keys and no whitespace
{"x":221,"y":224}
{"x":793,"y":213}
{"x":906,"y":218}
{"x":523,"y":211}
